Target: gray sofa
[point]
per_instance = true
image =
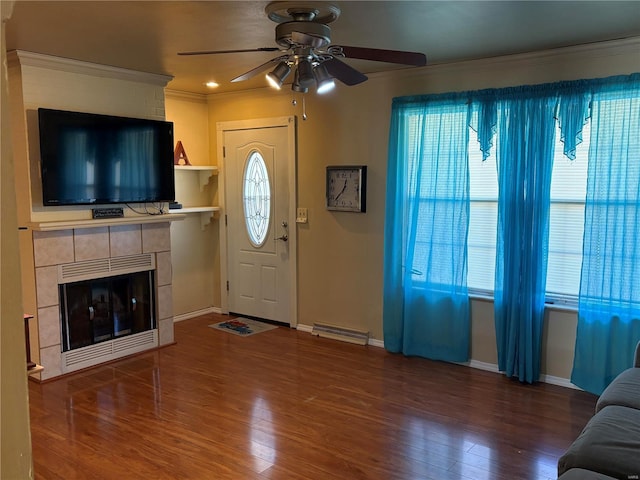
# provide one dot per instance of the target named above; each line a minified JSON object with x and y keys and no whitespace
{"x":609,"y":445}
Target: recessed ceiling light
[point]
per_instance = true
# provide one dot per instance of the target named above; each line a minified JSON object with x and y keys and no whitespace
{"x":211,"y":84}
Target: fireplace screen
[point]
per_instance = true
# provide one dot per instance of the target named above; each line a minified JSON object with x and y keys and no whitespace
{"x":97,"y":310}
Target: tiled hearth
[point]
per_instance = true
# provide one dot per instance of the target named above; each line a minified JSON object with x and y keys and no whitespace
{"x":78,"y":247}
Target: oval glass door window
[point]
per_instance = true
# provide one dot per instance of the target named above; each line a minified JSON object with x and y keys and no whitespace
{"x":256,"y":198}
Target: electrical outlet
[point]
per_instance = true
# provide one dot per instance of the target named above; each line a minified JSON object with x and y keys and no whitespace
{"x":301,"y":215}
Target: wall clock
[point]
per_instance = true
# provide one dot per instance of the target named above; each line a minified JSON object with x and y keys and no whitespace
{"x":347,"y":188}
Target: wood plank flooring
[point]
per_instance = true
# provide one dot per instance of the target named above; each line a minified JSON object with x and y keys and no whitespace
{"x":287,"y":405}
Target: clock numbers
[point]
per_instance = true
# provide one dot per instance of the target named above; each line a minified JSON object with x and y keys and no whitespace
{"x":346,"y":188}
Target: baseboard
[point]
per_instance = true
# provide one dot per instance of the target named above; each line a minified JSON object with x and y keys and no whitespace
{"x":561,"y":382}
{"x":489,"y":367}
{"x":550,"y":379}
{"x":197,"y":313}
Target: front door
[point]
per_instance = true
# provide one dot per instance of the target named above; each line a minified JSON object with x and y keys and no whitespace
{"x":259,"y":167}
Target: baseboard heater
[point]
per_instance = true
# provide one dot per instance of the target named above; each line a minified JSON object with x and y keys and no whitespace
{"x":339,"y":333}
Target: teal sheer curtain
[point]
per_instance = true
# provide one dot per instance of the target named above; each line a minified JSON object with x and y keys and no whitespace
{"x":426,"y":302}
{"x":609,"y":304}
{"x":524,"y":153}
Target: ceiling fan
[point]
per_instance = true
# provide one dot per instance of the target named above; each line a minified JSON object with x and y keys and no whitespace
{"x":304,"y":39}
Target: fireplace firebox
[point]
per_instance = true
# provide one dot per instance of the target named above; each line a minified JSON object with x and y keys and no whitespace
{"x":98,"y":310}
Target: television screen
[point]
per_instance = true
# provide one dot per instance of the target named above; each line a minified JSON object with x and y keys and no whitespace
{"x":100,"y":159}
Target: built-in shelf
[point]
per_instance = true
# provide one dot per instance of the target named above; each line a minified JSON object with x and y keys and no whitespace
{"x":196,"y":209}
{"x":34,"y":370}
{"x":206,"y":213}
{"x":205,"y":172}
{"x":105,"y":222}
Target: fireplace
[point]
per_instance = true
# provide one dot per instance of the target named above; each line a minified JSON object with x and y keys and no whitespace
{"x":107,"y":309}
{"x":103,"y":293}
{"x":95,"y":311}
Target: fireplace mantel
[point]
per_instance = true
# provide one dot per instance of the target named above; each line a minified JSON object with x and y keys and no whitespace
{"x":48,"y":226}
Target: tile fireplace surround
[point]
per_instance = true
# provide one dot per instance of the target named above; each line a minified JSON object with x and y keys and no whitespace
{"x":99,"y":252}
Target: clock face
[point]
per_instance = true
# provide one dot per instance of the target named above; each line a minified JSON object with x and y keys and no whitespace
{"x":345,"y":187}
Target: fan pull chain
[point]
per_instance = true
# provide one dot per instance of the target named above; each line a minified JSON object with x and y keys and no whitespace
{"x":294,"y":102}
{"x":304,"y":108}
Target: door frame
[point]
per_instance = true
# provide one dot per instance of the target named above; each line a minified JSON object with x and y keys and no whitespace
{"x":290,"y":123}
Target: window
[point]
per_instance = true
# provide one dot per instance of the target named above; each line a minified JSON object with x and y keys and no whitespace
{"x":568,"y":191}
{"x":566,"y":228}
{"x":483,"y":218}
{"x":256,"y":197}
{"x":523,"y":243}
{"x":434,"y":200}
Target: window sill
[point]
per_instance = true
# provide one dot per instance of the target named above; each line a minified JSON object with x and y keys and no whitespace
{"x":561,"y":308}
{"x":548,"y":306}
{"x":481,"y":297}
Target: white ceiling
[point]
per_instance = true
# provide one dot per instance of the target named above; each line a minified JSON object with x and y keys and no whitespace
{"x":146,"y":35}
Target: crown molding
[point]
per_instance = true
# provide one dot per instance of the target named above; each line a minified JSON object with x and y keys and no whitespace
{"x":179,"y":94}
{"x":624,"y":46}
{"x":24,"y":58}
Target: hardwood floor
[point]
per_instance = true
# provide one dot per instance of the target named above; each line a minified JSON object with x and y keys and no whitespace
{"x":287,"y":405}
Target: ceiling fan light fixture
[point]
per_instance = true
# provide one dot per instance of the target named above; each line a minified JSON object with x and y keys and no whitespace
{"x":296,"y":86}
{"x":279,"y":74}
{"x":304,"y":73}
{"x":324,"y":81}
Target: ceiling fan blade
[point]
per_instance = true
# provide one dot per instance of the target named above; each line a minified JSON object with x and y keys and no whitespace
{"x":260,"y":68}
{"x":343,"y":72}
{"x":390,"y":56}
{"x":214,"y":52}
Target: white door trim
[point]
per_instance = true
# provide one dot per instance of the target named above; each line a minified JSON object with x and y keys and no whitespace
{"x":290,"y":123}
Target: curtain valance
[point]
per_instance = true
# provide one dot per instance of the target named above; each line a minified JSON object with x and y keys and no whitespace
{"x":572,"y":109}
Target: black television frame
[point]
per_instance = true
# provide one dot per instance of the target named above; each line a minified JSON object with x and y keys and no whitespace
{"x":152,"y":180}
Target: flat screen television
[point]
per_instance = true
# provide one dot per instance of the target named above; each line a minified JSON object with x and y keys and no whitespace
{"x":90,"y":159}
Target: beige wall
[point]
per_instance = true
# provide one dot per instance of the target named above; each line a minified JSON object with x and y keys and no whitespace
{"x":15,"y":438}
{"x":195,"y":252}
{"x":340,"y":254}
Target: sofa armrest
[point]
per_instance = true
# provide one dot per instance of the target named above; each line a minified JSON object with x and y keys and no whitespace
{"x":636,"y":361}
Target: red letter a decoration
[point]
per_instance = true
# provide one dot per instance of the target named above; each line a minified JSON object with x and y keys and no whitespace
{"x":180,"y":154}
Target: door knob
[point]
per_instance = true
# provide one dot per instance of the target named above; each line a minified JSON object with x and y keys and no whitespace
{"x":284,"y":237}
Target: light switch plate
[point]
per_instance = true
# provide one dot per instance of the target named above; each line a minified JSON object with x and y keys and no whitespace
{"x":301,"y":215}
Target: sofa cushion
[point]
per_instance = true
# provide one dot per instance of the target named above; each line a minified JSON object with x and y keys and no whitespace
{"x":608,"y":444}
{"x":623,"y":391}
{"x":582,"y":474}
